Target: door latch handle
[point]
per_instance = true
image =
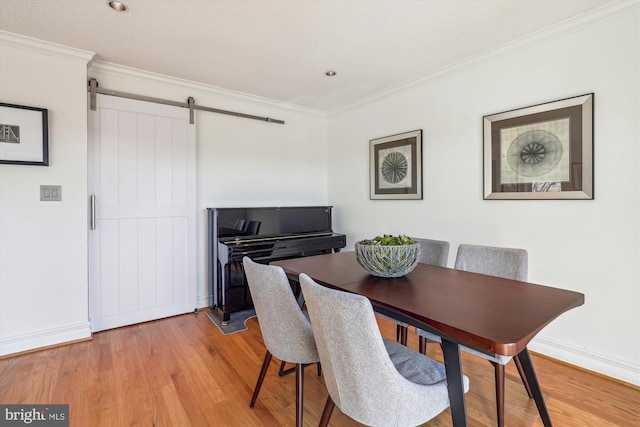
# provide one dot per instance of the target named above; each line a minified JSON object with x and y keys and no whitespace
{"x":93,"y":211}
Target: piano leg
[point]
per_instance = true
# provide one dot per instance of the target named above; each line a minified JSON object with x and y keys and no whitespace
{"x":245,"y":287}
{"x":219,"y":307}
{"x":233,"y":291}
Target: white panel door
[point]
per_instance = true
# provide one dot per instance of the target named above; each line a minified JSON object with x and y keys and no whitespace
{"x":142,"y":252}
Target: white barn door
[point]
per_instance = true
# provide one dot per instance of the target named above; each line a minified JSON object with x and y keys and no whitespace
{"x":142,"y":247}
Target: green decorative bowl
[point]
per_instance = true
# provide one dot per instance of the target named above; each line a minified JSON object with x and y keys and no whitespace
{"x":387,"y":261}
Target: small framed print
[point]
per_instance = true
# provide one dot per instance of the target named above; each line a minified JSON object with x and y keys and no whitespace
{"x":24,"y":136}
{"x":540,"y":152}
{"x":396,"y":166}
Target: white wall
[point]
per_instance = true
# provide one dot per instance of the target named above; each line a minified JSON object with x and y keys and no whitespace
{"x":588,"y":246}
{"x":240,"y":162}
{"x":43,"y":245}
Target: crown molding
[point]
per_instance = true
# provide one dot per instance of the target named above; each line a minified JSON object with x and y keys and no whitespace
{"x":43,"y":47}
{"x":572,"y":25}
{"x":117,"y":70}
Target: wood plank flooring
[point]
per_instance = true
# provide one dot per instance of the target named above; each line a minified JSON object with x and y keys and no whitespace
{"x":182,"y":371}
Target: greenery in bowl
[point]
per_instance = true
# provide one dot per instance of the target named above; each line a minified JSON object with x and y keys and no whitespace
{"x":389,"y":240}
{"x":387,"y":255}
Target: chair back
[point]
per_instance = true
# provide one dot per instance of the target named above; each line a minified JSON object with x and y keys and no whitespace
{"x":286,"y":331}
{"x":507,"y":263}
{"x":359,"y":374}
{"x":434,"y":252}
{"x":252,"y":228}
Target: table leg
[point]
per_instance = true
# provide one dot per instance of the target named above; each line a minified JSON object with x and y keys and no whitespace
{"x":532,"y":380}
{"x":453,"y":367}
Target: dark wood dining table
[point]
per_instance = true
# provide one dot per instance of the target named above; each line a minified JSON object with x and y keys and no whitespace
{"x":487,"y":313}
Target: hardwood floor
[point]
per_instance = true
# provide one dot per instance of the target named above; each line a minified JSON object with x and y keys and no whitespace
{"x":182,"y":371}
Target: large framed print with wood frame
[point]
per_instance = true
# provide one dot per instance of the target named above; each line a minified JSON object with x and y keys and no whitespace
{"x":540,"y":152}
{"x":24,"y":135}
{"x":395,"y":167}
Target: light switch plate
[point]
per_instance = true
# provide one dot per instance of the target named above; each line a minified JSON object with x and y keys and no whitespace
{"x":50,"y":193}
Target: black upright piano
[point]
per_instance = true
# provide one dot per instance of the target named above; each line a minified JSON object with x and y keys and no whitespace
{"x":263,"y":234}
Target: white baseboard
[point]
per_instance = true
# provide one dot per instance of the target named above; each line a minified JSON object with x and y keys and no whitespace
{"x":203,"y":301}
{"x":600,"y":363}
{"x":44,"y":338}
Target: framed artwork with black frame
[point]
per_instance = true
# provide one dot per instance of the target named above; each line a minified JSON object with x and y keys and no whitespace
{"x":396,"y":166}
{"x":24,"y":135}
{"x":540,"y":152}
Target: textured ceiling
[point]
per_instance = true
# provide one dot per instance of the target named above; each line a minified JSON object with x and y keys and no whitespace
{"x":281,"y":49}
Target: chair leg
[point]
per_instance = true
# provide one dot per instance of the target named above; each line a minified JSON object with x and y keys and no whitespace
{"x":326,"y":413}
{"x":499,"y":374}
{"x":282,"y":372}
{"x":299,"y":393}
{"x":263,"y":371}
{"x":401,"y":334}
{"x":319,"y":367}
{"x":422,"y":344}
{"x":523,"y":377}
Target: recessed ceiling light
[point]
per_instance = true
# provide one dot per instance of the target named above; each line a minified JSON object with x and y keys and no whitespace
{"x":116,"y":5}
{"x":330,"y":73}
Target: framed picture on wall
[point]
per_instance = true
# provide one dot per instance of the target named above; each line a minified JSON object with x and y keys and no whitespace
{"x":24,"y":136}
{"x":540,"y":152}
{"x":396,"y":166}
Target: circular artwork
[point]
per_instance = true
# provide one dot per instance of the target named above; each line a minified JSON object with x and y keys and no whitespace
{"x":534,"y":153}
{"x":394,"y":167}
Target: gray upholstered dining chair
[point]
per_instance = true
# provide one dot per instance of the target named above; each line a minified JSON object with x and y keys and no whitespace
{"x":434,"y":252}
{"x":507,"y":263}
{"x":375,"y":381}
{"x":286,"y":331}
